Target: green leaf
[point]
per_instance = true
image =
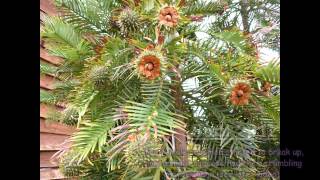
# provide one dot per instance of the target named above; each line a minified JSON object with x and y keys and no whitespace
{"x":157,"y":174}
{"x":82,"y":109}
{"x":47,"y":97}
{"x":58,"y":31}
{"x":234,"y":37}
{"x":91,"y":136}
{"x":270,"y":73}
{"x":87,"y":16}
{"x":64,"y":40}
{"x":203,"y":8}
{"x":148,"y":5}
{"x":148,"y":116}
{"x":46,"y":68}
{"x":157,"y":93}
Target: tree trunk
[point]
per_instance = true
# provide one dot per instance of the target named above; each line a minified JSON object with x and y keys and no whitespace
{"x":180,"y":139}
{"x":244,"y":5}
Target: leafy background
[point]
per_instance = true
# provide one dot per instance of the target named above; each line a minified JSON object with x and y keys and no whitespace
{"x":109,"y":102}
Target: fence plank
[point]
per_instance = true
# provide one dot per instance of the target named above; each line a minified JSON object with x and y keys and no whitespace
{"x":52,"y":142}
{"x":46,"y":161}
{"x":51,"y":59}
{"x":47,"y":81}
{"x":48,"y":7}
{"x":45,"y":108}
{"x":55,"y":128}
{"x":50,"y":173}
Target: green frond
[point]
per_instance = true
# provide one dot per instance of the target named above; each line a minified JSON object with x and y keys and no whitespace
{"x":60,"y":32}
{"x":93,"y":167}
{"x":236,"y":137}
{"x":69,"y":70}
{"x":203,"y":8}
{"x":45,"y":68}
{"x":234,"y":37}
{"x":123,"y":72}
{"x":216,"y":72}
{"x":158,"y":94}
{"x":215,"y":52}
{"x":91,"y":136}
{"x":70,"y":53}
{"x":188,"y":31}
{"x":209,"y":78}
{"x":201,"y":48}
{"x":217,"y":111}
{"x":159,"y":121}
{"x":62,"y":89}
{"x":81,"y":98}
{"x":240,"y":65}
{"x":119,"y":114}
{"x":64,"y":40}
{"x":129,"y":91}
{"x":47,"y":97}
{"x":117,"y":50}
{"x":271,"y":106}
{"x":117,"y":54}
{"x":270,"y":73}
{"x":148,"y":5}
{"x":69,"y":115}
{"x":87,"y":16}
{"x":192,"y":69}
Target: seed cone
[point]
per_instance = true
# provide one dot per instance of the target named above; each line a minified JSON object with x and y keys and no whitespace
{"x":168,"y":16}
{"x":128,"y":22}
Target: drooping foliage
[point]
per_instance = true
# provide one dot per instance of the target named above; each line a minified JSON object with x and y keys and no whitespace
{"x":136,"y":76}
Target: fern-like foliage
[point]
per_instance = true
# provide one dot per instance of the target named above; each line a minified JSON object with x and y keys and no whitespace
{"x":64,"y":40}
{"x":136,"y":77}
{"x":270,"y":72}
{"x":159,"y":122}
{"x":204,"y":8}
{"x":157,"y":94}
{"x":91,"y":136}
{"x":47,"y":97}
{"x":233,"y":37}
{"x":88,"y":16}
{"x":47,"y":69}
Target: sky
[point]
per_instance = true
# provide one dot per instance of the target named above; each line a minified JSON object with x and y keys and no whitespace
{"x":267,"y":54}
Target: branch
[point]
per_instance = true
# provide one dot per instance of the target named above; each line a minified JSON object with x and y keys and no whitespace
{"x":244,"y":4}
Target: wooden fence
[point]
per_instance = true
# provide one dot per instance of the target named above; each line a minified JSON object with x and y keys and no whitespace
{"x":52,"y":135}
